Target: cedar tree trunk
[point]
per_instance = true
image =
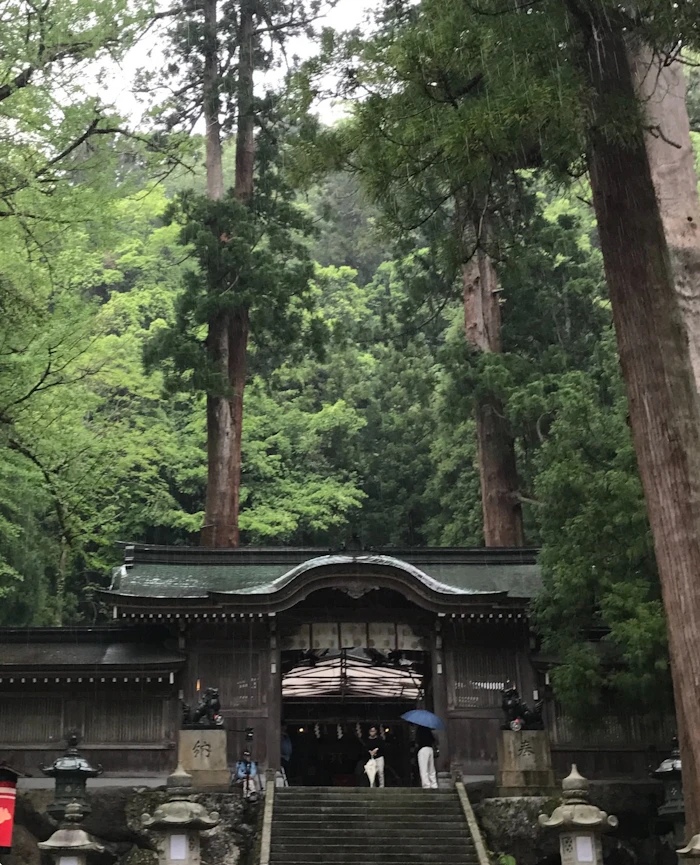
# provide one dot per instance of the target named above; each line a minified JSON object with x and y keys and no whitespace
{"x":227,"y":338}
{"x":661,"y":87}
{"x":500,"y":505}
{"x":656,"y":366}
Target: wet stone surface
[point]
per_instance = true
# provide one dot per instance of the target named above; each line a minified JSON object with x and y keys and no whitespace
{"x":116,"y":821}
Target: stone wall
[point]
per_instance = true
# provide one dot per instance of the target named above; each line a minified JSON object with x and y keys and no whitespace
{"x":116,"y":821}
{"x":510,"y":825}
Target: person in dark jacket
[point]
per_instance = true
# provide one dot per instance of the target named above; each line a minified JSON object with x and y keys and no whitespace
{"x":286,"y":750}
{"x":375,"y":751}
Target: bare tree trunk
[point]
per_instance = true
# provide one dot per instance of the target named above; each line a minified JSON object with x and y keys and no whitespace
{"x":662,"y":90}
{"x":656,"y":365}
{"x":500,"y":504}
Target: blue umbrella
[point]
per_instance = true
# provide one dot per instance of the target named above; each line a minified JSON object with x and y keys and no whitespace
{"x":421,"y":718}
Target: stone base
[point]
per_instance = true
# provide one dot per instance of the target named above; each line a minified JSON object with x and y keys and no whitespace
{"x":518,"y":792}
{"x":202,"y":754}
{"x":525,"y":764}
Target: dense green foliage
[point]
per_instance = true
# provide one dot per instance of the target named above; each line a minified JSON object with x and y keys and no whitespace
{"x":359,"y":411}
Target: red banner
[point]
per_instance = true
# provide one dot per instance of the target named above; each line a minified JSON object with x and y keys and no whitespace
{"x":8,"y":794}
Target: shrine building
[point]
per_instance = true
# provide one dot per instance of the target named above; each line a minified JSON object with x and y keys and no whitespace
{"x":323,"y":643}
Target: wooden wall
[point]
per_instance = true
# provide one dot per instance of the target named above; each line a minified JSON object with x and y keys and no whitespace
{"x":621,"y":747}
{"x":127,"y":727}
{"x":235,"y":659}
{"x":479,"y":659}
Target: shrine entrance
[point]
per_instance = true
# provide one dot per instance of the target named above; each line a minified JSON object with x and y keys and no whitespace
{"x":339,"y":680}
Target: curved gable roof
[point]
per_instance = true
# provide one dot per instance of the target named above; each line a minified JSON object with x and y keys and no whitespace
{"x":368,"y":563}
{"x":259,"y":578}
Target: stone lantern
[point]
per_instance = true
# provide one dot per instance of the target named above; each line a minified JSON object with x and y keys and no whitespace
{"x":69,"y":844}
{"x":179,"y":822}
{"x":71,"y":772}
{"x":673,"y":809}
{"x":579,"y":823}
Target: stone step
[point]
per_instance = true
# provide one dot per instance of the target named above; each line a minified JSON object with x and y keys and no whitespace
{"x":392,"y":811}
{"x":382,"y":799}
{"x":361,"y":791}
{"x":365,"y":827}
{"x":379,"y":801}
{"x":364,"y":791}
{"x":393,"y":830}
{"x":374,"y":801}
{"x":347,"y":826}
{"x":368,"y":856}
{"x":375,"y":842}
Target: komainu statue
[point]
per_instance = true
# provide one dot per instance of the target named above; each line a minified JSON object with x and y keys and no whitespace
{"x":518,"y":715}
{"x":205,"y":714}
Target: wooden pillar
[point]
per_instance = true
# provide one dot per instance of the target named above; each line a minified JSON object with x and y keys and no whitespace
{"x":437,"y":655}
{"x":274,"y":699}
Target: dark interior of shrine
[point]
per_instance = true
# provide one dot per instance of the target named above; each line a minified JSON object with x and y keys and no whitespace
{"x":331,"y":750}
{"x":331,"y":698}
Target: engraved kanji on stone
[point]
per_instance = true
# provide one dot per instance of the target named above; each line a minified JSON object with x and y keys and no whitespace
{"x":201,"y":749}
{"x":525,"y":748}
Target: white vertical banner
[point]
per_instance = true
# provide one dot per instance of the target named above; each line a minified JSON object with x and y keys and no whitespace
{"x":325,"y":635}
{"x":382,"y":636}
{"x":353,"y":635}
{"x":408,"y":640}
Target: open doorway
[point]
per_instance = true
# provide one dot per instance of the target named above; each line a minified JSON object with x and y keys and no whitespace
{"x":330,"y":700}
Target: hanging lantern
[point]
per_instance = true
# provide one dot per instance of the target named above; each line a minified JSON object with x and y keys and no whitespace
{"x":8,"y":795}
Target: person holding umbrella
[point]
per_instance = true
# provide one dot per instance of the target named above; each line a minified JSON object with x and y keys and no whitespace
{"x":425,"y":740}
{"x":425,"y":723}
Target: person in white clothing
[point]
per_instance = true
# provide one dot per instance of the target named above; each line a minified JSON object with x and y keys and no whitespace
{"x":426,"y":758}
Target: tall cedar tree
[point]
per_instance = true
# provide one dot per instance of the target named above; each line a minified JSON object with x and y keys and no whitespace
{"x":252,"y":264}
{"x":227,"y":337}
{"x":661,"y":85}
{"x":501,"y":510}
{"x":655,"y":357}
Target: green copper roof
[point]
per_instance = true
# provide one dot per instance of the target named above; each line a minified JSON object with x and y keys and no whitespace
{"x":167,"y":572}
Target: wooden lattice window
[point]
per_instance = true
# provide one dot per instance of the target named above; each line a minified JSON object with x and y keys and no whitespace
{"x":479,"y":675}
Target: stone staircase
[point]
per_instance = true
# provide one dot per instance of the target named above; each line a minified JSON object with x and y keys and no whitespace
{"x":363,"y":826}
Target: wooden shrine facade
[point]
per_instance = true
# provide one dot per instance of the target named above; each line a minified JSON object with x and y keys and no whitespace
{"x":287,"y":635}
